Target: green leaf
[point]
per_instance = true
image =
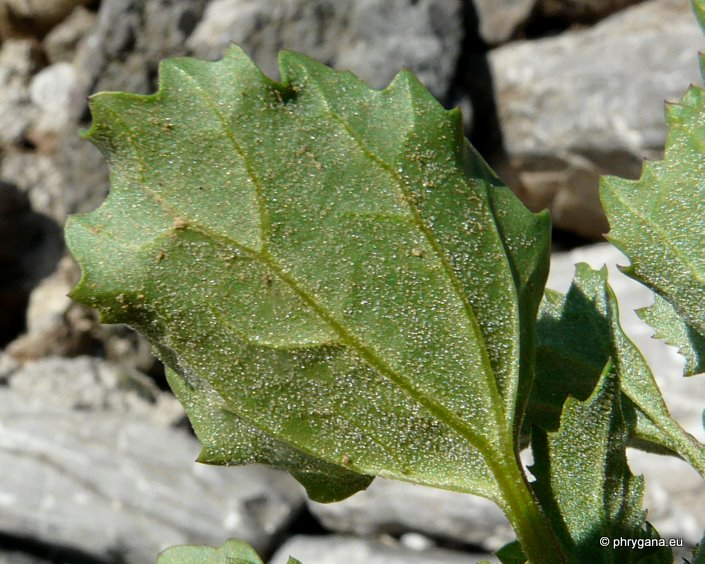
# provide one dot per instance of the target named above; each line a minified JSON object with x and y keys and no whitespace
{"x":337,"y":280}
{"x":658,"y":221}
{"x":231,"y":552}
{"x":576,"y":334}
{"x":583,"y":480}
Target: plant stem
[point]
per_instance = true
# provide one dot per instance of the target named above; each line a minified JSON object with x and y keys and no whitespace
{"x":530,"y":524}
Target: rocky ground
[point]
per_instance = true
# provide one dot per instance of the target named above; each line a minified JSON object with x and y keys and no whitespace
{"x":96,"y":459}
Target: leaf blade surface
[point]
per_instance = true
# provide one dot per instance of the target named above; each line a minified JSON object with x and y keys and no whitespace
{"x":340,"y":288}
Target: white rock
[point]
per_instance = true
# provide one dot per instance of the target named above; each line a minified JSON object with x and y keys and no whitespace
{"x":389,"y":506}
{"x":49,"y":301}
{"x":53,"y":91}
{"x":16,"y":111}
{"x":118,"y":488}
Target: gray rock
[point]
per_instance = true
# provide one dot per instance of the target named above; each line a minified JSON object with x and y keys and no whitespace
{"x":90,"y":384}
{"x":84,"y":175}
{"x":118,"y":488}
{"x":499,"y":20}
{"x":8,"y":366}
{"x":591,"y":102}
{"x":131,"y":37}
{"x":16,"y":557}
{"x":49,"y":301}
{"x":336,"y":549}
{"x":18,"y":62}
{"x":67,"y":176}
{"x":372,"y":38}
{"x":47,"y":324}
{"x":394,"y":507}
{"x":61,"y":43}
{"x":55,"y":91}
{"x":57,"y":326}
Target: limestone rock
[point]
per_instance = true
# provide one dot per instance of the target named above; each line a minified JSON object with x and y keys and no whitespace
{"x":90,"y":384}
{"x":16,"y":557}
{"x":498,"y":20}
{"x":61,"y":43}
{"x":30,"y":246}
{"x":54,"y":91}
{"x":40,"y":177}
{"x":591,"y":102}
{"x":130,"y":38}
{"x":372,"y":38}
{"x":8,"y":366}
{"x":49,"y":301}
{"x":18,"y":62}
{"x":393,"y":507}
{"x":119,"y":489}
{"x":336,"y":549}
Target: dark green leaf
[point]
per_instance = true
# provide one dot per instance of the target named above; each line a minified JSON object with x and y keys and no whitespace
{"x":578,"y":331}
{"x":584,"y":482}
{"x":511,"y":554}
